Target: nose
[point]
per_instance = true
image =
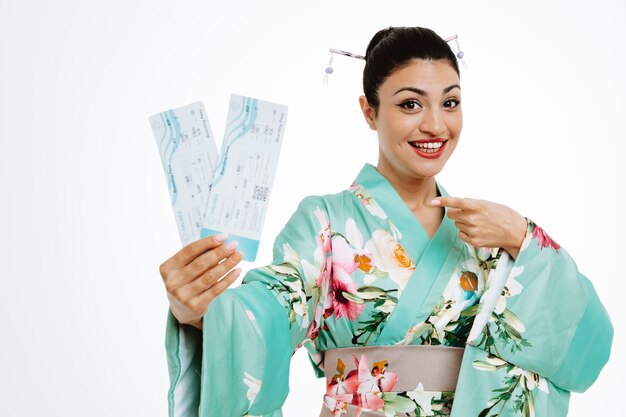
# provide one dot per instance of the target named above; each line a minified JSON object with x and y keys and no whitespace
{"x":432,"y":122}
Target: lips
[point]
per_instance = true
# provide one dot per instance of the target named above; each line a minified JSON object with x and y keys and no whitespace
{"x":436,"y":140}
{"x":430,"y":140}
{"x":429,"y":148}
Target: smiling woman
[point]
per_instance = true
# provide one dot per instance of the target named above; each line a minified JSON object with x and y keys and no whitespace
{"x":418,"y":124}
{"x":409,"y":301}
{"x":425,"y":120}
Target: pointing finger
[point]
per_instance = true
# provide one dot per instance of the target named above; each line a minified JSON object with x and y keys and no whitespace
{"x":454,"y":202}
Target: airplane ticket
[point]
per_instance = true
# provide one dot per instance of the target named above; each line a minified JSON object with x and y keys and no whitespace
{"x":243,"y":180}
{"x":189,"y":157}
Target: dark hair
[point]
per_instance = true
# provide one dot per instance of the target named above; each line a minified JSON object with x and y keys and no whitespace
{"x":393,"y":47}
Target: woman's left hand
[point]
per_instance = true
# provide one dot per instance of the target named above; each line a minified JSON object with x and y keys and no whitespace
{"x":482,"y":223}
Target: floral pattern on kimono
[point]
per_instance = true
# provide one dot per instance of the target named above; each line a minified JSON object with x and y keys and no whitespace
{"x":356,"y":268}
{"x":372,"y":389}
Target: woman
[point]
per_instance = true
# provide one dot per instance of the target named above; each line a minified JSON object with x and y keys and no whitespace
{"x":408,"y":300}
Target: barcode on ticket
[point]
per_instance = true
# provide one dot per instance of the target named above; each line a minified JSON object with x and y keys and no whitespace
{"x":260,"y":192}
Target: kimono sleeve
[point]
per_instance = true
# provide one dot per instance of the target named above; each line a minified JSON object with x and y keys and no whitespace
{"x":540,"y":332}
{"x":548,"y":318}
{"x":238,"y":365}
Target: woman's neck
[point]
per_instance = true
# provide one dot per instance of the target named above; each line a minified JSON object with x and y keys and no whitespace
{"x":416,"y":192}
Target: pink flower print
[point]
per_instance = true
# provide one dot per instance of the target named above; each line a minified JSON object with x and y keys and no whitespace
{"x":370,"y":401}
{"x":323,"y":279}
{"x":314,"y":327}
{"x":371,"y":382}
{"x":543,"y":240}
{"x":342,"y":384}
{"x":319,"y":271}
{"x":337,"y":405}
{"x":344,"y":263}
{"x":341,"y":390}
{"x":341,"y":306}
{"x":335,"y":274}
{"x":323,"y":236}
{"x":376,"y":379}
{"x":360,"y":387}
{"x":334,"y":302}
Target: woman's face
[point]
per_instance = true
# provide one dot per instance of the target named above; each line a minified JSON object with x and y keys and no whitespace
{"x":419,"y":103}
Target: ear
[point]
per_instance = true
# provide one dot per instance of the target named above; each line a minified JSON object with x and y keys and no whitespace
{"x":368,"y":112}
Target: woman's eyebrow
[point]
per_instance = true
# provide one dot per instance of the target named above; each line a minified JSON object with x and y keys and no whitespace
{"x":424,"y":93}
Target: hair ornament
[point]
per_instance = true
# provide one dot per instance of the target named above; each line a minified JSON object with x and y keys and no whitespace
{"x":329,"y":69}
{"x":459,"y":53}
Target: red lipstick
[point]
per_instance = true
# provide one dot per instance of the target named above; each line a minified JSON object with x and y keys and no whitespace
{"x":429,"y":153}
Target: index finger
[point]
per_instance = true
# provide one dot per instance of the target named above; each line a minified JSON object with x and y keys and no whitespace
{"x":194,"y":249}
{"x":454,"y":202}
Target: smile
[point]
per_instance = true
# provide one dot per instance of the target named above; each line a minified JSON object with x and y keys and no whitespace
{"x":429,"y":149}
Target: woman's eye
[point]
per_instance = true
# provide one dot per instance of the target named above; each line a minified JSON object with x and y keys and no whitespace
{"x":410,"y":105}
{"x":456,"y":102}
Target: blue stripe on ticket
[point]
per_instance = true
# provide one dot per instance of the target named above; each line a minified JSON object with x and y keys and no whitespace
{"x":248,"y":246}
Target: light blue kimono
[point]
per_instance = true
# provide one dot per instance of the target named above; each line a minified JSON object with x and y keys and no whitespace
{"x":356,"y":268}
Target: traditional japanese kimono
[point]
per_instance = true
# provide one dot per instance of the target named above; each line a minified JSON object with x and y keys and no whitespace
{"x":385,"y":312}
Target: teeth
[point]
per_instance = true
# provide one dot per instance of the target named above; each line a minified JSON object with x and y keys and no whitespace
{"x":428,"y":146}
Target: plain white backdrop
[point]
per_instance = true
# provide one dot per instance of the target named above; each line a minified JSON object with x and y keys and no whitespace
{"x":85,"y":219}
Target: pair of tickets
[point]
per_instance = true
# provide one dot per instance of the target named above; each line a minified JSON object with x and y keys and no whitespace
{"x":228,"y":192}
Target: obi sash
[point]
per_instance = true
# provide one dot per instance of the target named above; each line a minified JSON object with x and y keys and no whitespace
{"x":369,"y":381}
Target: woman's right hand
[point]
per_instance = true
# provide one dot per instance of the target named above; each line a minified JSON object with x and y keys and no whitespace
{"x":192,"y":276}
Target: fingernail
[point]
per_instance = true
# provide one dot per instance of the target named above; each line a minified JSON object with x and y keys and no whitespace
{"x":237,"y":257}
{"x":434,"y":202}
{"x":237,"y":272}
{"x":221,"y":237}
{"x":231,"y":245}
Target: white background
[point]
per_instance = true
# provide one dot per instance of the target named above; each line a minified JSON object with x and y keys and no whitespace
{"x":85,"y":218}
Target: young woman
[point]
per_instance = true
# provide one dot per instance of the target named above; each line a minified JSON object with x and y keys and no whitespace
{"x":409,"y":301}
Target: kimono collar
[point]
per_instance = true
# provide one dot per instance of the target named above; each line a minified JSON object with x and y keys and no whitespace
{"x":415,"y":239}
{"x":384,"y":193}
{"x":434,"y":259}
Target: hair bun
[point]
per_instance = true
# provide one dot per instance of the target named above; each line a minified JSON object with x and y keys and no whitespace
{"x":393,"y":46}
{"x":379,"y":36}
